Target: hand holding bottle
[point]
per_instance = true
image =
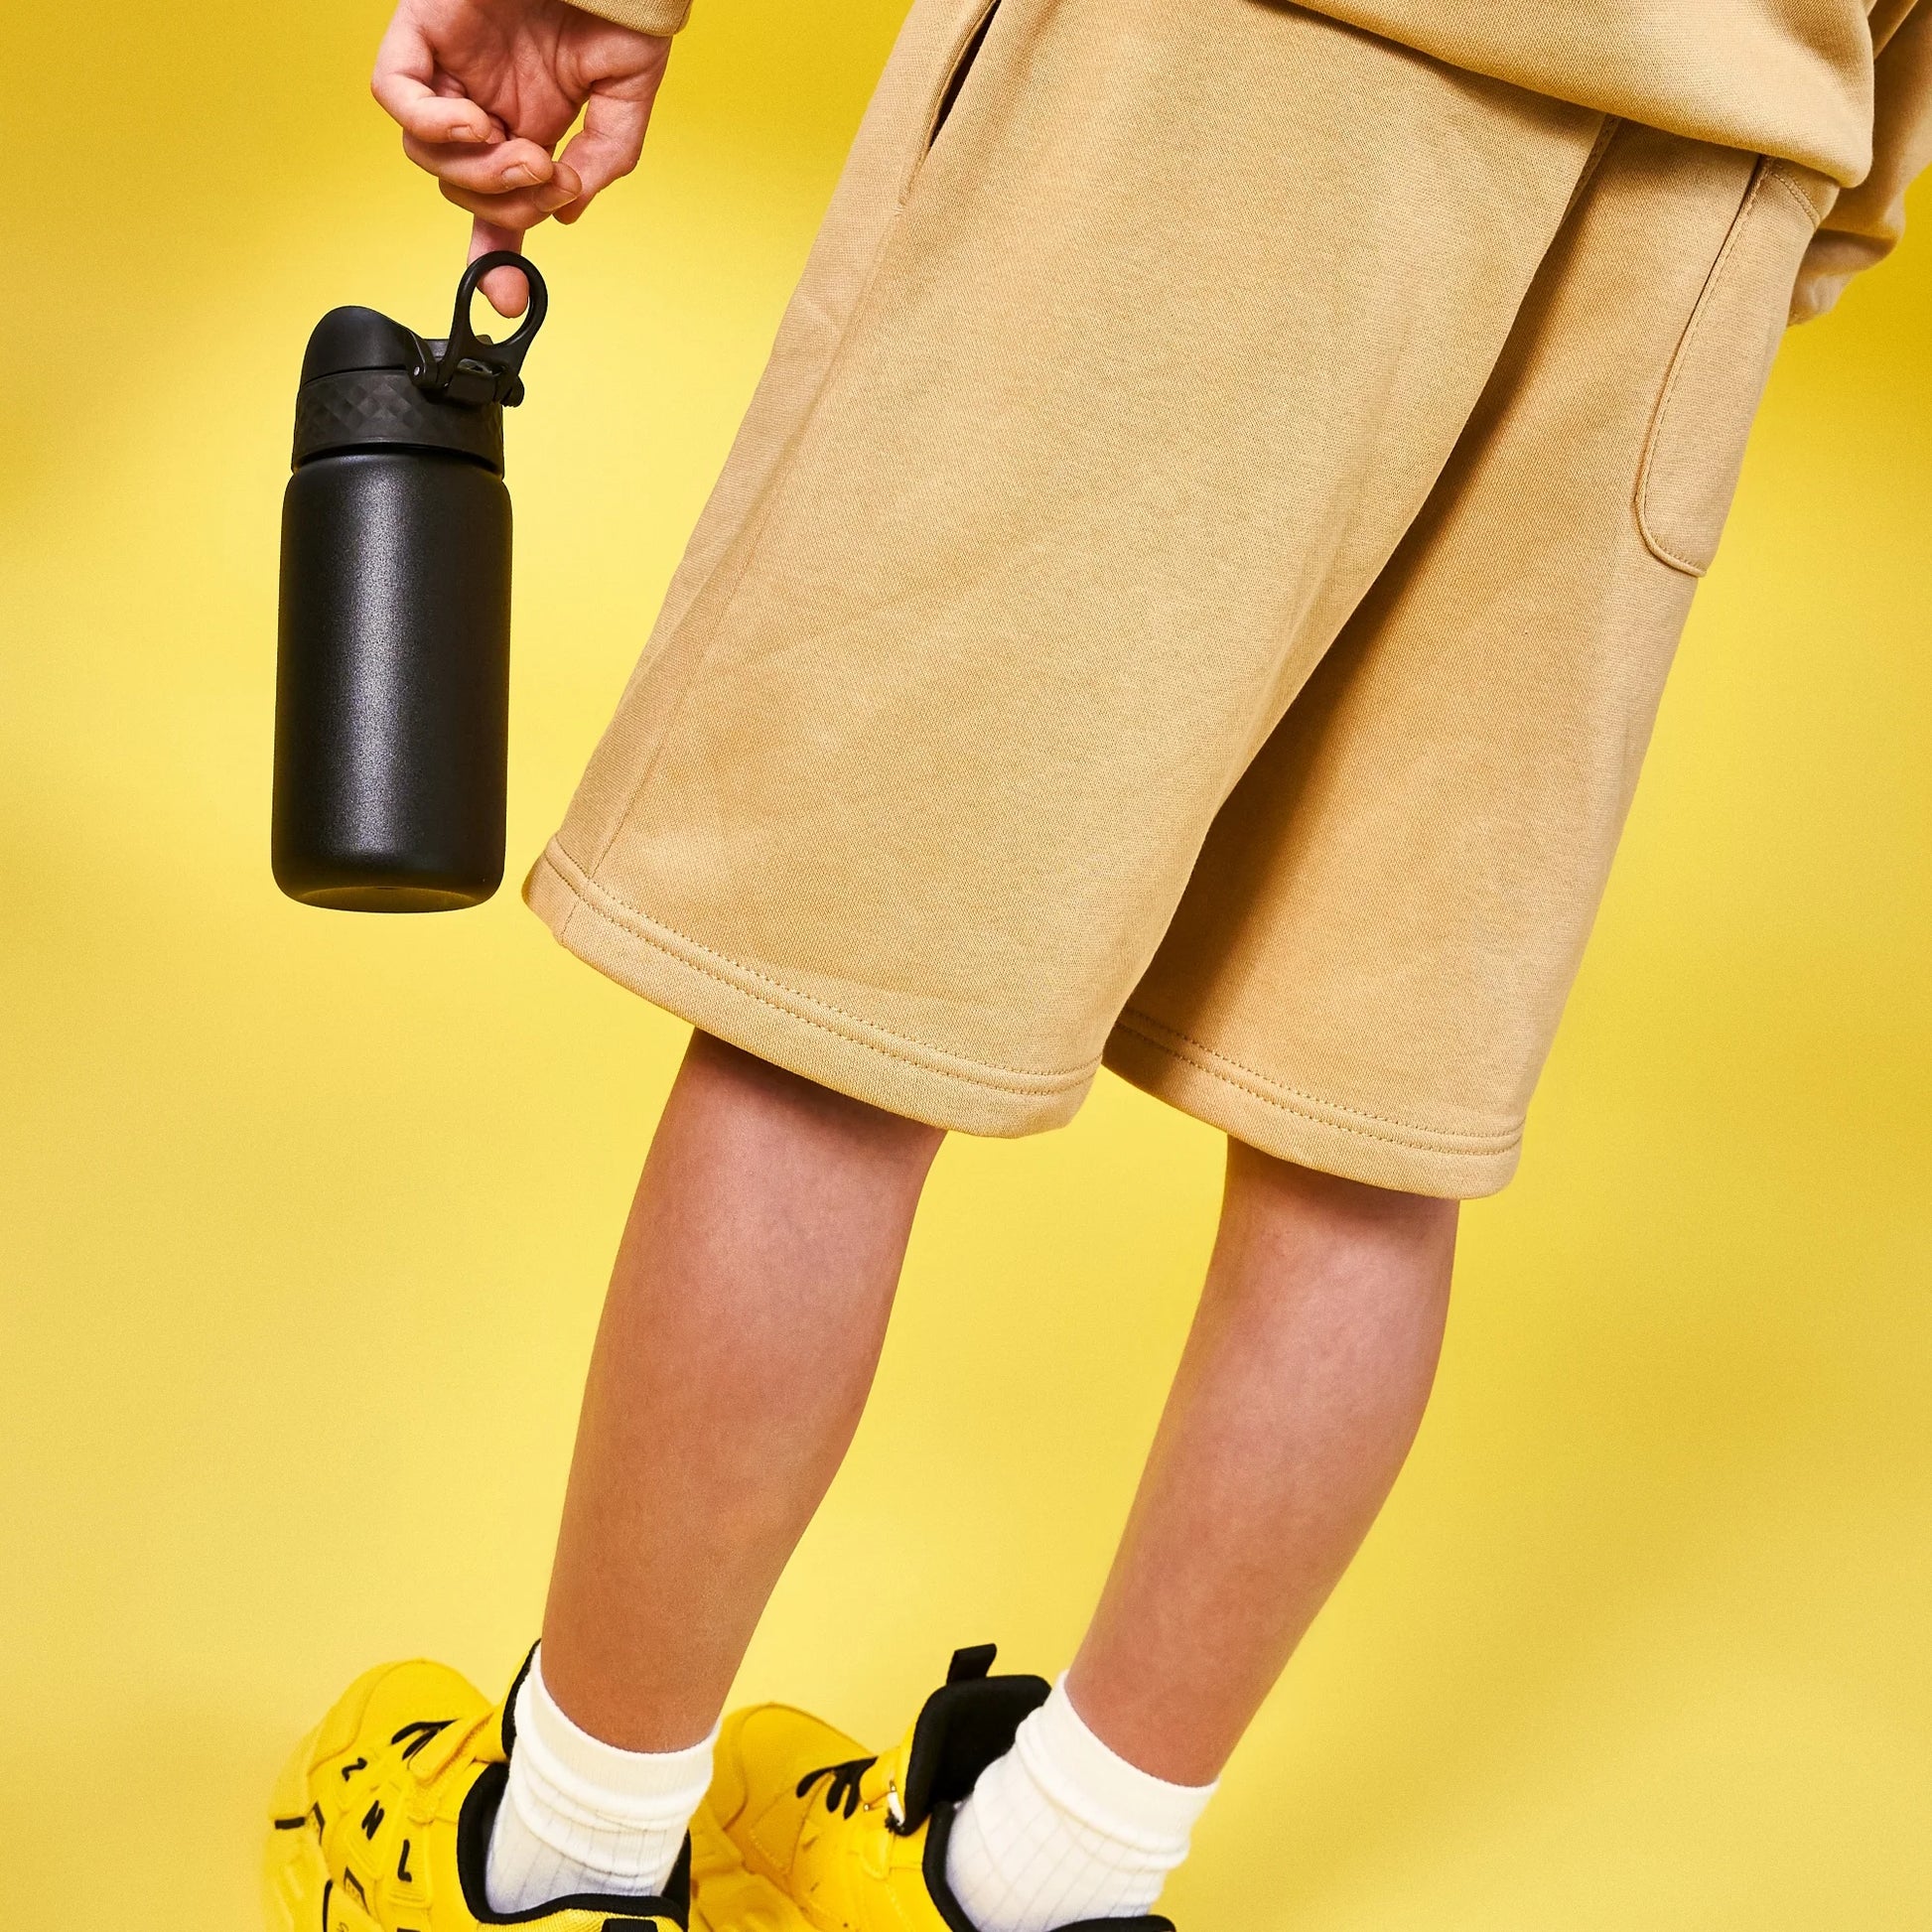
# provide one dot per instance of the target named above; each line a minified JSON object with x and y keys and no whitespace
{"x":485,"y":89}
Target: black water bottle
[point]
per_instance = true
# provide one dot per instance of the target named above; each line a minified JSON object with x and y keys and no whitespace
{"x":392,"y":682}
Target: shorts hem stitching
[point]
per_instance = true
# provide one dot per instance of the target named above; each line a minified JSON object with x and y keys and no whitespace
{"x":1309,"y":1106}
{"x":748,"y":982}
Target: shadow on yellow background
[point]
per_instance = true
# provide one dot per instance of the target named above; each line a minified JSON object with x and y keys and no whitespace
{"x":306,"y":1216}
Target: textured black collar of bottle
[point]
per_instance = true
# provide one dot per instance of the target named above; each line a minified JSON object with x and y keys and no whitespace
{"x":371,"y":383}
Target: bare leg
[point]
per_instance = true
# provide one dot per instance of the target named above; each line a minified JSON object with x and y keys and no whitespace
{"x":738,"y":1340}
{"x":1301,"y":1390}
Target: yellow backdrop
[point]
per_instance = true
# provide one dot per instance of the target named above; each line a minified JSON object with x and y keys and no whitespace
{"x":305,"y":1215}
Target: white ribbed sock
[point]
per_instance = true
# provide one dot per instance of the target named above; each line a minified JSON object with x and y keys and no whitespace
{"x":580,"y":1816}
{"x":1061,"y":1829}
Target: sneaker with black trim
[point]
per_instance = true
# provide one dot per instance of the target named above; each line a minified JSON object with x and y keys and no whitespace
{"x":804,"y":1831}
{"x":381,"y":1821}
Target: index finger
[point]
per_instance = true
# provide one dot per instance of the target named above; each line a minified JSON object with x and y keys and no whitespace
{"x":404,"y":66}
{"x":509,"y":293}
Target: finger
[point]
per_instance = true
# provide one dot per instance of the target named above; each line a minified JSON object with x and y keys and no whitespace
{"x":481,"y":169}
{"x":446,"y":86}
{"x":607,"y":147}
{"x":509,"y":293}
{"x":405,"y":68}
{"x":521,"y":208}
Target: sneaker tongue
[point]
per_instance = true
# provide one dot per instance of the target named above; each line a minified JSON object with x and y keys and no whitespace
{"x":505,"y":1713}
{"x":966,"y":1723}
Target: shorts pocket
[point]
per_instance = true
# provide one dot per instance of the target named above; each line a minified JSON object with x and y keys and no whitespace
{"x":1717,"y":377}
{"x":961,"y":70}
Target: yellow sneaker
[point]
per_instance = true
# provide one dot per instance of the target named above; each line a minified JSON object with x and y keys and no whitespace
{"x":381,"y":1821}
{"x":804,"y":1831}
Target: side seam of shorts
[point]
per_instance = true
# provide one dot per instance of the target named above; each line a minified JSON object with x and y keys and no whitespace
{"x":1304,"y":1128}
{"x":752,"y":1009}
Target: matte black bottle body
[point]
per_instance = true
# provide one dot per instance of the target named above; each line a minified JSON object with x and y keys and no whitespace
{"x":392,"y":680}
{"x":392,"y":688}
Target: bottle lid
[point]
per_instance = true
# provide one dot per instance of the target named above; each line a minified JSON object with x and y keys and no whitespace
{"x":369,"y":382}
{"x":346,"y":341}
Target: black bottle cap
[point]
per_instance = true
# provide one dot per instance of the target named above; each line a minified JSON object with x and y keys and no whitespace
{"x":348,"y":339}
{"x":368,"y":382}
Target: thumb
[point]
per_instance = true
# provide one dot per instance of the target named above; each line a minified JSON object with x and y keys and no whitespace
{"x":607,"y":144}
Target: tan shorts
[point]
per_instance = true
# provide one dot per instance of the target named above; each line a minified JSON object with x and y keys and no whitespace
{"x":1193,"y":588}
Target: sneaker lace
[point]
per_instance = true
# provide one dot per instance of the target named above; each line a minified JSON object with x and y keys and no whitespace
{"x":842,"y":1788}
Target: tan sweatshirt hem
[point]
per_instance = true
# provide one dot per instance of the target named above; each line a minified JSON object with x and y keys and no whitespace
{"x":1843,"y":87}
{"x":661,"y":17}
